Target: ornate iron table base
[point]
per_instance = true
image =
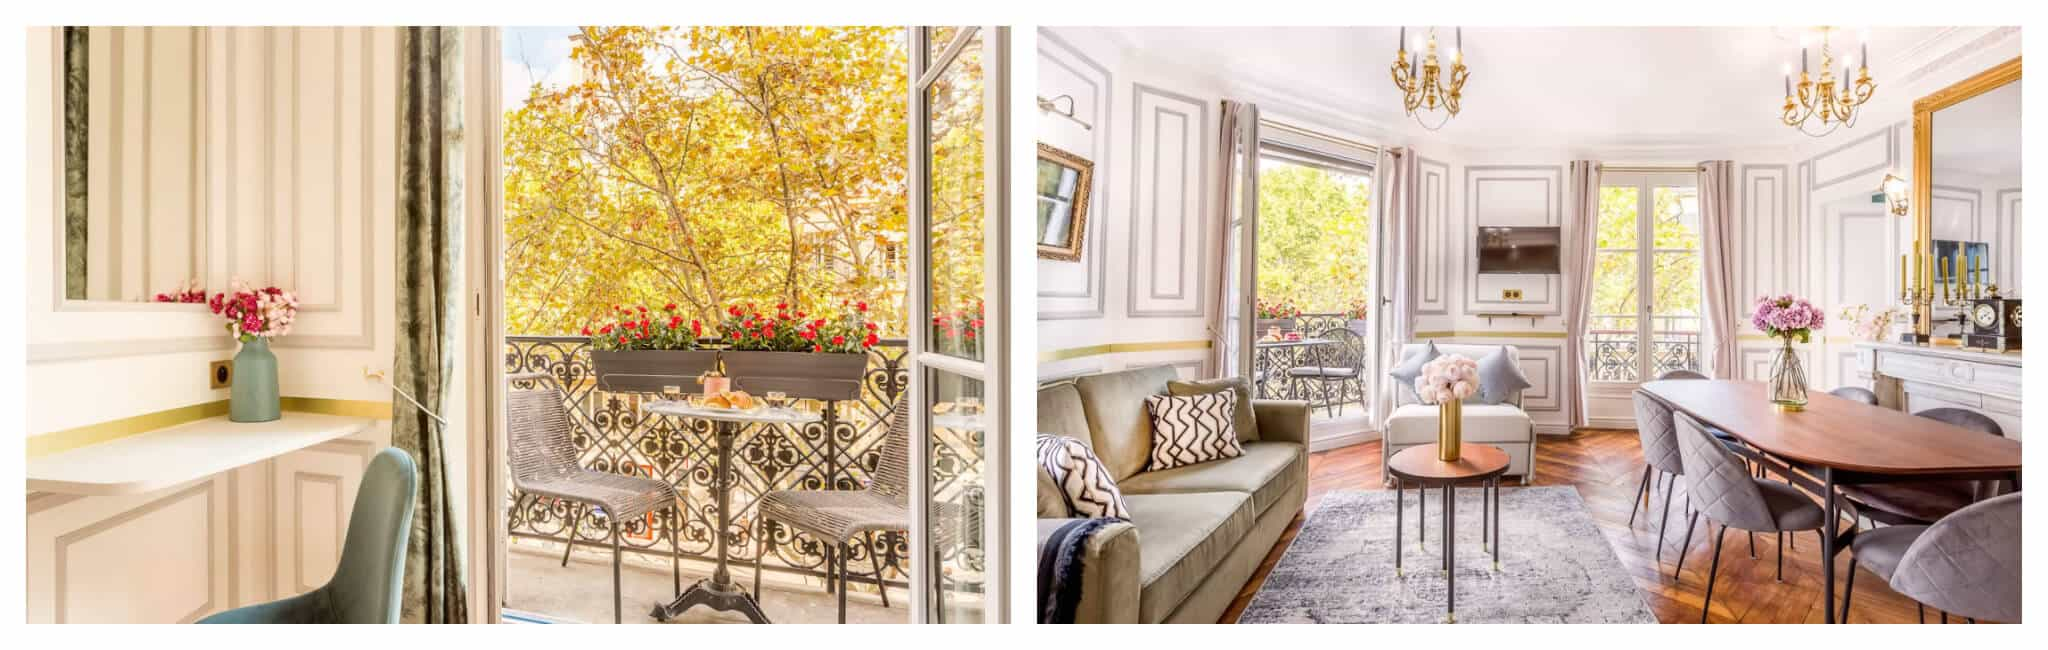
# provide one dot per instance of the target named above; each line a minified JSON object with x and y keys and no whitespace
{"x":724,"y":596}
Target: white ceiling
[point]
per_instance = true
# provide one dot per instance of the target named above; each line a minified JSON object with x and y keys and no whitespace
{"x":1630,"y":87}
{"x":1980,"y":136}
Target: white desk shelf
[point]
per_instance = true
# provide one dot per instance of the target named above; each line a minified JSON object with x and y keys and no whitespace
{"x":166,"y":457}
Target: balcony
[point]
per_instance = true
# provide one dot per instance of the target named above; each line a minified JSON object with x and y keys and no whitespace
{"x":1611,"y":353}
{"x":1330,"y":399}
{"x":613,"y":434}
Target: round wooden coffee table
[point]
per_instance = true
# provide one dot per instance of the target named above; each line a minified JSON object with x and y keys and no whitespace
{"x":1419,"y":465}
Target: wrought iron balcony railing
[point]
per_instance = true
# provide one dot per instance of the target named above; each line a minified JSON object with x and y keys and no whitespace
{"x":1611,"y":354}
{"x":614,"y":435}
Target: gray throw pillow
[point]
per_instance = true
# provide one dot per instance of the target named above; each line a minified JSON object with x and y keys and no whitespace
{"x":1246,"y":424}
{"x":1498,"y":377}
{"x":1410,"y":369}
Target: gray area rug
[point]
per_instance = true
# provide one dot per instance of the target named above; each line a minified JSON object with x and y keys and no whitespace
{"x":1555,"y":565}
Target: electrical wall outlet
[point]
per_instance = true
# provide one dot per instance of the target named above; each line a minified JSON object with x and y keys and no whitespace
{"x":220,"y":374}
{"x":1511,"y":294}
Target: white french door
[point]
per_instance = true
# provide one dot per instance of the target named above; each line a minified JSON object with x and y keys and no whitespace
{"x":958,"y":210}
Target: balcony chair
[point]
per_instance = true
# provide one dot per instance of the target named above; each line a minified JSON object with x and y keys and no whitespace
{"x":832,"y":517}
{"x":1966,"y":563}
{"x":1730,"y":495}
{"x":544,"y":465}
{"x":368,"y":583}
{"x":1340,"y":362}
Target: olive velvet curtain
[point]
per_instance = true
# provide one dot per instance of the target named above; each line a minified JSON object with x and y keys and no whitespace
{"x":428,"y":251}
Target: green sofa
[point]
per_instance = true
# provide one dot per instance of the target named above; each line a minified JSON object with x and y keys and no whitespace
{"x":1196,"y":533}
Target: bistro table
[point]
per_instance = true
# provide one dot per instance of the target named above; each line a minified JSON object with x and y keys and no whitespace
{"x":1835,"y":442}
{"x":1419,"y":465}
{"x":719,"y":592}
{"x":1268,"y":358}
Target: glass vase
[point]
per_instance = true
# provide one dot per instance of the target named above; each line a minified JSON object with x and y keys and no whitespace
{"x":1788,"y":380}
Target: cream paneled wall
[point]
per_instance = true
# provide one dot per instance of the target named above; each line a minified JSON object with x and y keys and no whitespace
{"x":1148,"y":269}
{"x":298,"y":147}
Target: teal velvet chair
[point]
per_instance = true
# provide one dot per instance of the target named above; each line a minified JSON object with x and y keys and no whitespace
{"x":367,"y":585}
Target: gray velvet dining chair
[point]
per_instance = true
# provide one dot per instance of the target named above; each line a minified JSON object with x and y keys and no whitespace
{"x":368,"y":583}
{"x":1721,"y":487}
{"x":1967,"y":563}
{"x":1661,"y":463}
{"x":1923,"y":502}
{"x":1855,"y":394}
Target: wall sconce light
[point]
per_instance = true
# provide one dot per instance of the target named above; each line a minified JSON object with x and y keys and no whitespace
{"x":1896,"y":193}
{"x":1053,"y":106}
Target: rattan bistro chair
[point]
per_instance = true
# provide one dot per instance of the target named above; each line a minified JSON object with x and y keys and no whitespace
{"x":544,"y":464}
{"x":834,"y":516}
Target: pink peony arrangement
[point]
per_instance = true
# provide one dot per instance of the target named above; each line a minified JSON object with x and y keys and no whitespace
{"x":256,"y":313}
{"x":1446,"y":378}
{"x":1787,"y":317}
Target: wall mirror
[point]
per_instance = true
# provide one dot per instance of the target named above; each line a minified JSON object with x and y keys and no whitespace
{"x":1966,"y":194}
{"x":1064,"y":180}
{"x":134,"y":195}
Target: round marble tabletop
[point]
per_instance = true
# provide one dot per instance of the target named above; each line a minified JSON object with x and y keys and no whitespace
{"x":762,"y":415}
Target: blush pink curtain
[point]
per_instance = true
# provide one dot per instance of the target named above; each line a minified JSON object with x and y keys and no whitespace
{"x":1582,"y":214}
{"x":1717,"y":264}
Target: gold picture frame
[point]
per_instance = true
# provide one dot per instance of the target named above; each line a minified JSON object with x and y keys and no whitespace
{"x":1065,"y":214}
{"x":1923,"y":169}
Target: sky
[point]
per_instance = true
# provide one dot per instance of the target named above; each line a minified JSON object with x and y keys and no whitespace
{"x":534,"y":54}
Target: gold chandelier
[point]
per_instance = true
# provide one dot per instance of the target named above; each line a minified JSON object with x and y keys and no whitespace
{"x":1835,"y":107}
{"x":1419,"y":78}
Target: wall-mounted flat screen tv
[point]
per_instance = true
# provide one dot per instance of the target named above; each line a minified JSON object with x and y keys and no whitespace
{"x":1519,"y":249}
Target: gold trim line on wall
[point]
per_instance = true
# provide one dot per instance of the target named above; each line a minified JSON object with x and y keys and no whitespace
{"x":92,"y":434}
{"x":1066,"y":354}
{"x":1484,"y":334}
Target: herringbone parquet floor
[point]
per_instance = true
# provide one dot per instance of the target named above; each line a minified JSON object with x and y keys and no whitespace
{"x":1605,"y":466}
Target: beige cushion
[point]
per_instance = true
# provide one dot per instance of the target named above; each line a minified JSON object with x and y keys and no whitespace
{"x":1051,"y":504}
{"x":1181,"y":539}
{"x":1266,"y":471}
{"x":1059,"y":412}
{"x":1115,"y":404}
{"x":1247,"y":423}
{"x":1415,"y":424}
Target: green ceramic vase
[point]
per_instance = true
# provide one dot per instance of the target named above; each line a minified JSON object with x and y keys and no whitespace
{"x":253,"y":397}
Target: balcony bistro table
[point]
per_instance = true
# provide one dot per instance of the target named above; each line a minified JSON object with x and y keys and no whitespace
{"x":719,"y":592}
{"x":1268,"y":349}
{"x":1419,"y":465}
{"x":1836,"y":442}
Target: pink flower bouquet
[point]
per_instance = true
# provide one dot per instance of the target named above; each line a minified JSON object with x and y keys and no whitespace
{"x":1448,"y":377}
{"x":1786,"y":317}
{"x":256,"y":313}
{"x":1868,"y":323}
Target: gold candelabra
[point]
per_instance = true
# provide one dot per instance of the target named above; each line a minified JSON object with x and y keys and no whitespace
{"x":1420,"y":78}
{"x":1835,"y":106}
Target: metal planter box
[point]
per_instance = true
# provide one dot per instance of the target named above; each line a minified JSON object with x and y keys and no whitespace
{"x":651,"y":371}
{"x":806,"y":375}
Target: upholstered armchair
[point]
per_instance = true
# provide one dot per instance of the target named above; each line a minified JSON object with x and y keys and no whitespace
{"x":1504,"y":425}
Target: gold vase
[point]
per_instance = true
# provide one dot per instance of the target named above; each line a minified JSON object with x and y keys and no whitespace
{"x":1450,"y":429}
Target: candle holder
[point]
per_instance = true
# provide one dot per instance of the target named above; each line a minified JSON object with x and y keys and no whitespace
{"x":1917,"y":298}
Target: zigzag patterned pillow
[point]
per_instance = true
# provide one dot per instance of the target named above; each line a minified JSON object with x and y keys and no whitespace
{"x":1082,"y":478}
{"x":1192,"y":429}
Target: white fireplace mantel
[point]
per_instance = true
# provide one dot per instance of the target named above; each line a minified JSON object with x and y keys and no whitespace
{"x":1916,"y":378}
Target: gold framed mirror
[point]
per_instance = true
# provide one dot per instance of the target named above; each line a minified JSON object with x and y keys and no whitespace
{"x":1064,"y":181}
{"x":1965,"y":202}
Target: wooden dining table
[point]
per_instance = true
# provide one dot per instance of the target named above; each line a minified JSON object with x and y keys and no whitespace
{"x":1835,"y":442}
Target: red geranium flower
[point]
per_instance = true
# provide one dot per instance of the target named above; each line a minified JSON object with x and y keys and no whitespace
{"x":586,"y":330}
{"x":669,"y":307}
{"x":839,"y":340}
{"x":696,"y":328}
{"x":817,"y":348}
